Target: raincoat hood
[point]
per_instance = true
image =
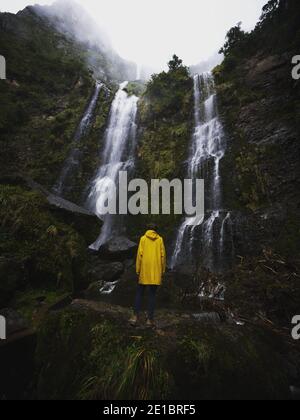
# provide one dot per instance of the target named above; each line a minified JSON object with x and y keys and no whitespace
{"x":151,"y":234}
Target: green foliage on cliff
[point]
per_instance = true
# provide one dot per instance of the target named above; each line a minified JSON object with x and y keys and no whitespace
{"x":266,"y":37}
{"x":165,"y":121}
{"x":48,"y":252}
{"x":43,"y":99}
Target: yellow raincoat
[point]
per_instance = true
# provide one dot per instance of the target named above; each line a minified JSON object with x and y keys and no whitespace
{"x":151,"y":259}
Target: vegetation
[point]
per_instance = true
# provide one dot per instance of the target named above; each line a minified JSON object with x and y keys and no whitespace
{"x":43,"y":99}
{"x":166,"y":121}
{"x":48,"y":253}
{"x":81,"y":355}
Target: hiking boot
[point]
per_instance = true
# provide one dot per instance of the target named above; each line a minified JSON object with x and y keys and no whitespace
{"x":134,"y":321}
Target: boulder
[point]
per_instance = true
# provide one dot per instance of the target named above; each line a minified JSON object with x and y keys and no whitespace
{"x":82,"y":220}
{"x":119,"y":248}
{"x":102,"y":271}
{"x":85,"y":222}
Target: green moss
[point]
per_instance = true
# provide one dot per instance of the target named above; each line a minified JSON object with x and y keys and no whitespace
{"x":105,"y":362}
{"x":34,"y":304}
{"x":85,"y":355}
{"x":43,"y":99}
{"x":135,"y":88}
{"x":253,"y":181}
{"x":229,"y":364}
{"x":31,"y":233}
{"x":166,"y":121}
{"x":130,"y":368}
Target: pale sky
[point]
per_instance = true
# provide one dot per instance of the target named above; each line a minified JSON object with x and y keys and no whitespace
{"x":151,"y":31}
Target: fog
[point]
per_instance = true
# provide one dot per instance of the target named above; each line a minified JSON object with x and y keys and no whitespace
{"x":148,"y":32}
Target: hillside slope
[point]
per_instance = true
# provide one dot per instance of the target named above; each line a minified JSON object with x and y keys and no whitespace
{"x":50,"y":81}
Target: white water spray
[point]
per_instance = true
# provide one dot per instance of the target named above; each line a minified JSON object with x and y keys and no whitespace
{"x":207,"y":150}
{"x":118,"y":155}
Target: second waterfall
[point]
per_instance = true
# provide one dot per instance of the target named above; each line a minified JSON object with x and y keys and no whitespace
{"x":204,"y":243}
{"x":118,"y":155}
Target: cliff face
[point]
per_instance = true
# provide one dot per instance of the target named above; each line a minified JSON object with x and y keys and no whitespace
{"x":165,"y":128}
{"x":259,"y":102}
{"x":50,"y":82}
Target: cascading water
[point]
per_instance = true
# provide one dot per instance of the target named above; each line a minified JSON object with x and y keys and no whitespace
{"x":118,"y":155}
{"x":207,"y":150}
{"x":64,"y":181}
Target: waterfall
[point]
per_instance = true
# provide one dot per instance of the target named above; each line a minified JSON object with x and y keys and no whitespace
{"x":208,"y":147}
{"x":73,"y":159}
{"x":118,"y":155}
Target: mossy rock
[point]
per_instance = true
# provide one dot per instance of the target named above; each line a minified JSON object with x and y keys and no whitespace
{"x":86,"y":354}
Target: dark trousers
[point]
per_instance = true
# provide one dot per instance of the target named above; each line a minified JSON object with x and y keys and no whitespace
{"x":151,"y":302}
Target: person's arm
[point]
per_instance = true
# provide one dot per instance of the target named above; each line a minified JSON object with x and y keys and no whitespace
{"x":163,"y":256}
{"x":139,"y":257}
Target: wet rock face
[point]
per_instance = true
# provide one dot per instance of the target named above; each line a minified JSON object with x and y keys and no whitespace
{"x":261,"y":172}
{"x":119,"y":248}
{"x":104,"y":271}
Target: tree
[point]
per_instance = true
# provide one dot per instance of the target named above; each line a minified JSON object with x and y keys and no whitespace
{"x":234,"y":36}
{"x":269,"y":9}
{"x":175,"y":63}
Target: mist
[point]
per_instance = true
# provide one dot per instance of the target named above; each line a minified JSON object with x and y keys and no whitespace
{"x":149,"y":32}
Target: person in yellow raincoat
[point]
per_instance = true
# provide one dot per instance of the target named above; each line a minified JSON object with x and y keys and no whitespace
{"x":150,"y":267}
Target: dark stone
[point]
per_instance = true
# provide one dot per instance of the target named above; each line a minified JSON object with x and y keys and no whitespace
{"x":119,"y":248}
{"x":184,"y":276}
{"x":208,"y":318}
{"x":10,"y":276}
{"x":86,"y":223}
{"x":105,"y":271}
{"x":93,"y":291}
